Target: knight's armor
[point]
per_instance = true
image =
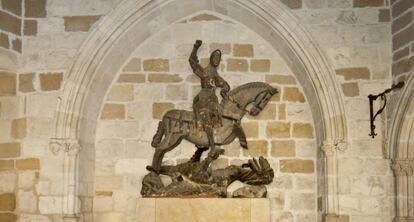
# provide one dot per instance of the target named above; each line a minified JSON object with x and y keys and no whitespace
{"x":206,"y":107}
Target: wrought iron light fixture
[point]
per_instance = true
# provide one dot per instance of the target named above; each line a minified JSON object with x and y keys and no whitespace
{"x":383,"y":96}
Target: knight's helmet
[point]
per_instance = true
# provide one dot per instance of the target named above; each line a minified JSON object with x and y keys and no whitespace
{"x":213,"y":61}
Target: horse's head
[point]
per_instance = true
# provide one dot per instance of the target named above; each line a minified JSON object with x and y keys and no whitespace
{"x":257,"y":94}
{"x":261,"y":101}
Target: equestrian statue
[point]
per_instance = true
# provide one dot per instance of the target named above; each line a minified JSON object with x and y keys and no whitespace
{"x":211,"y":123}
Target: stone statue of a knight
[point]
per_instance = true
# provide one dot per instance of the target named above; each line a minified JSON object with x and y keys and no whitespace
{"x":207,"y":113}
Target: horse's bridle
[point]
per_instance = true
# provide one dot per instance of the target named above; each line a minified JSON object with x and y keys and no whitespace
{"x":260,"y":102}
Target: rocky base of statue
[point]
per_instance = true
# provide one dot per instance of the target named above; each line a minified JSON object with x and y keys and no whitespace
{"x":197,"y":179}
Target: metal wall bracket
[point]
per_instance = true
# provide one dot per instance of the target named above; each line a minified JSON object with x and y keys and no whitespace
{"x":383,"y":97}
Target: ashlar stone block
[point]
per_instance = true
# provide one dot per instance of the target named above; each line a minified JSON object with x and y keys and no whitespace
{"x":4,"y":41}
{"x":177,"y":92}
{"x":268,"y":113}
{"x":113,"y":111}
{"x":7,"y":83}
{"x":26,"y":82}
{"x":156,"y":65}
{"x":10,"y":23}
{"x":354,"y":73}
{"x":159,"y":109}
{"x":7,"y":181}
{"x":283,"y":148}
{"x":293,"y":94}
{"x":17,"y":45}
{"x":27,"y":202}
{"x":237,"y":65}
{"x":303,"y":201}
{"x":79,"y":23}
{"x":302,"y":130}
{"x":30,"y":27}
{"x":9,"y":150}
{"x":251,"y":129}
{"x":164,"y":78}
{"x":26,"y":179}
{"x":256,"y":148}
{"x":278,"y":129}
{"x":102,"y":204}
{"x":50,"y":81}
{"x":6,"y":165}
{"x":108,"y":182}
{"x":225,"y":48}
{"x":281,"y":79}
{"x":7,"y":202}
{"x":281,"y":111}
{"x":28,"y":164}
{"x":368,"y":3}
{"x":8,"y":217}
{"x":297,"y":166}
{"x":131,"y":78}
{"x":14,"y":6}
{"x":282,"y":182}
{"x":35,"y":8}
{"x":260,"y":65}
{"x":121,"y":93}
{"x":19,"y":128}
{"x":243,"y":50}
{"x":350,"y":89}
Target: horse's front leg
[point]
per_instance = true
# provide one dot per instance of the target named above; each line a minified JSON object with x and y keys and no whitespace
{"x":238,"y":130}
{"x":214,"y":152}
{"x":197,"y":155}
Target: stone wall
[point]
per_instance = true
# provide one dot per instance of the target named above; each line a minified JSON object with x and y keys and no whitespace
{"x":355,"y":35}
{"x":402,"y":12}
{"x":27,"y":108}
{"x":31,"y":186}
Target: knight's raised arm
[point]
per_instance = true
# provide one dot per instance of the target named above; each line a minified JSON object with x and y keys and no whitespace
{"x":197,"y":69}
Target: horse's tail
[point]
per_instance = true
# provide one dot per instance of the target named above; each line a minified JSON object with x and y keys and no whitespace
{"x":158,"y":135}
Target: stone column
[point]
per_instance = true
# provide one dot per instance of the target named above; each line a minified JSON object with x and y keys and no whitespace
{"x":70,"y":150}
{"x":404,"y":183}
{"x":331,"y":201}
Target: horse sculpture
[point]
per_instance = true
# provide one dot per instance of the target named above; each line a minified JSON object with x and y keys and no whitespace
{"x":177,"y":125}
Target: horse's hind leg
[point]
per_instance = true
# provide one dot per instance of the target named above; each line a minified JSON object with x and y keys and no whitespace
{"x":167,"y":144}
{"x":197,"y":155}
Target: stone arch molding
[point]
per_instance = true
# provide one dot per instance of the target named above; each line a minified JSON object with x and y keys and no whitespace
{"x":133,"y":21}
{"x":402,"y":150}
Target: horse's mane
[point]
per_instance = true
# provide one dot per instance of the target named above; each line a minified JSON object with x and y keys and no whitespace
{"x":250,"y":85}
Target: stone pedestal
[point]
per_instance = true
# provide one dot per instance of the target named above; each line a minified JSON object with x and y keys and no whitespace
{"x":203,"y":210}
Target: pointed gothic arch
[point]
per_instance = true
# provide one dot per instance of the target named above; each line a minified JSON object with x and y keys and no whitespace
{"x":133,"y":21}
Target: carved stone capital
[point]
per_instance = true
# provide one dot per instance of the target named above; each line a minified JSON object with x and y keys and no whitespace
{"x":403,"y":167}
{"x":69,"y":146}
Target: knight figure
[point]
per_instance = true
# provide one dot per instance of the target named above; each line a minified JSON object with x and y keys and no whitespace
{"x":207,"y":113}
